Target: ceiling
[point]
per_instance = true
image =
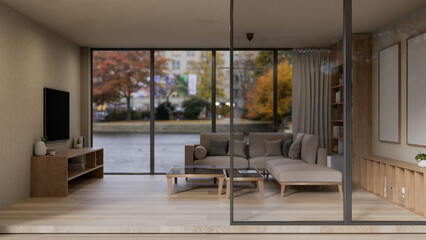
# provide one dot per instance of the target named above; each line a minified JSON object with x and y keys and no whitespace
{"x":205,"y":23}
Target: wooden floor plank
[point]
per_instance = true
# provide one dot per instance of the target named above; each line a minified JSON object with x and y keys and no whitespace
{"x":140,"y":203}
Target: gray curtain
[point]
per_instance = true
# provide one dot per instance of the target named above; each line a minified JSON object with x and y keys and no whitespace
{"x":310,"y":93}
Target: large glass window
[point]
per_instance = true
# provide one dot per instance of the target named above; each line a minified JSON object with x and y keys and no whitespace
{"x":121,"y":109}
{"x":182,"y":105}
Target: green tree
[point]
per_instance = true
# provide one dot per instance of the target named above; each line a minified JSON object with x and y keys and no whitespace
{"x":203,"y":69}
{"x":193,"y":106}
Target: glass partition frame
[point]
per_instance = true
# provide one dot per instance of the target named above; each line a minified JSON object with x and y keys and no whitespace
{"x":347,"y":192}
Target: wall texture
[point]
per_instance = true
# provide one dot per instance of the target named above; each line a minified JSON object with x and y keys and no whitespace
{"x":399,"y":31}
{"x":31,"y":57}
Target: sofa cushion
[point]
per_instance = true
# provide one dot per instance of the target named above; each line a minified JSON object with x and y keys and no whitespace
{"x":260,"y":162}
{"x":200,"y":152}
{"x":239,"y":149}
{"x":298,"y":137}
{"x":218,"y":147}
{"x":221,"y":162}
{"x":309,"y":148}
{"x":279,"y":161}
{"x":256,"y":145}
{"x":205,"y":138}
{"x":303,"y":172}
{"x":294,"y":151}
{"x":286,"y":147}
{"x":273,"y":148}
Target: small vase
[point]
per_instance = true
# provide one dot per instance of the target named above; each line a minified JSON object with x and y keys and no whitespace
{"x":40,"y":148}
{"x":421,"y":163}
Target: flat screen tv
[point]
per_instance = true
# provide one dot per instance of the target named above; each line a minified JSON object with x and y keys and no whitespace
{"x":56,"y":115}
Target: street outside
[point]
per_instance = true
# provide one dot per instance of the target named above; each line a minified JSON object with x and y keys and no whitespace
{"x":129,"y":152}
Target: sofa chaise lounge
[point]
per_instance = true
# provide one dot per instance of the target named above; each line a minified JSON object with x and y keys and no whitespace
{"x":309,"y":168}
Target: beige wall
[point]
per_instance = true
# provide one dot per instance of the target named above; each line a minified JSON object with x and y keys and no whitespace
{"x":411,"y":25}
{"x":31,"y":57}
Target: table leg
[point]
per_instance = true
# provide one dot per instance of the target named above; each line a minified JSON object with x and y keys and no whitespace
{"x":175,"y":180}
{"x":262,"y":192}
{"x":228,"y":188}
{"x":219,"y":188}
{"x":254,"y":184}
{"x":169,"y":185}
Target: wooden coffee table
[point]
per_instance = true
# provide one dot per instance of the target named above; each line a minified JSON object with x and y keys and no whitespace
{"x":195,"y":172}
{"x":255,"y":177}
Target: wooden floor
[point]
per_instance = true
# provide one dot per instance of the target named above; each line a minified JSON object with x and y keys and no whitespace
{"x":214,"y":236}
{"x":140,"y":204}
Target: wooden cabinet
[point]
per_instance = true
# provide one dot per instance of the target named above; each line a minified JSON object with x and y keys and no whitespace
{"x":361,"y":98}
{"x":50,"y":175}
{"x":399,"y":182}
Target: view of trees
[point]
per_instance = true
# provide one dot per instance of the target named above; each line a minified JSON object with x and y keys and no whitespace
{"x":259,"y":102}
{"x":118,"y":74}
{"x":203,"y":69}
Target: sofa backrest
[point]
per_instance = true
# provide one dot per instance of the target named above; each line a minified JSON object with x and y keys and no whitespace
{"x":256,"y":144}
{"x":205,"y":138}
{"x":309,"y":148}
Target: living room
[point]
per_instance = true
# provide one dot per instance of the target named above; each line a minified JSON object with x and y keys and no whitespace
{"x":170,"y":144}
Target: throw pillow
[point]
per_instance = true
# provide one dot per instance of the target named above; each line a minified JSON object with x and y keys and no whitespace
{"x":286,"y":147}
{"x":200,"y":152}
{"x":218,"y":147}
{"x":294,"y":152}
{"x":273,"y":148}
{"x":239,"y":149}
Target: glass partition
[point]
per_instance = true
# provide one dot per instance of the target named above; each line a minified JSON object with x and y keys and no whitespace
{"x":388,"y":86}
{"x":287,"y":178}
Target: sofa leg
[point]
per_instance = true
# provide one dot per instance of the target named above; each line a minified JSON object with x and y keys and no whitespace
{"x":340,"y":190}
{"x":282,"y":190}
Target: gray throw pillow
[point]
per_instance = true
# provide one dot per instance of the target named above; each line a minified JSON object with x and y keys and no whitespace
{"x":273,"y":148}
{"x":218,"y":147}
{"x":239,"y":149}
{"x":200,"y":152}
{"x":286,"y":147}
{"x":294,"y":152}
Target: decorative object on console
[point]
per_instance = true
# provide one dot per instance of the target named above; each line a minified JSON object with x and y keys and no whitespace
{"x":421,"y":159}
{"x":40,"y":146}
{"x":78,"y":142}
{"x":51,"y":152}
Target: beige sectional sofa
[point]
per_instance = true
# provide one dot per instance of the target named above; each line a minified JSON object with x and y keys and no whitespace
{"x":310,"y":169}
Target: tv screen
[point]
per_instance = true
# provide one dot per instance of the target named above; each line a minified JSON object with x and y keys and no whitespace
{"x":56,"y":115}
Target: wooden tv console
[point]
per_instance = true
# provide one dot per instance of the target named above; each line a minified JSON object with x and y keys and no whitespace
{"x":50,"y":175}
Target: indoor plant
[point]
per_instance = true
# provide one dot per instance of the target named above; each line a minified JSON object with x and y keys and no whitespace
{"x":40,"y":146}
{"x":421,"y":159}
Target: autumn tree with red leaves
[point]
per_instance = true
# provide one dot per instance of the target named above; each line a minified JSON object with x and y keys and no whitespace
{"x":118,"y":74}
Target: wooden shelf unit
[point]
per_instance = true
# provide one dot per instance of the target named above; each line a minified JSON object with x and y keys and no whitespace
{"x":50,"y":175}
{"x":361,"y":95}
{"x":387,"y":178}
